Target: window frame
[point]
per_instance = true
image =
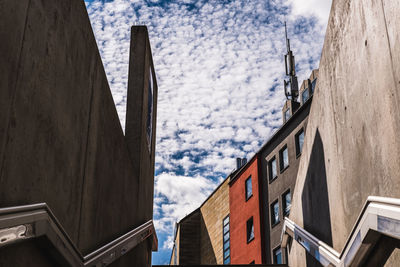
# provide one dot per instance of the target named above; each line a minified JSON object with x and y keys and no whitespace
{"x":228,"y":258}
{"x":282,"y":167}
{"x":284,"y":212}
{"x":287,"y":117}
{"x":313,"y":85}
{"x":248,"y":233}
{"x":308,"y":95}
{"x":297,"y":141}
{"x":245,"y":188}
{"x":273,"y":222}
{"x":274,"y":258}
{"x":270,"y":178}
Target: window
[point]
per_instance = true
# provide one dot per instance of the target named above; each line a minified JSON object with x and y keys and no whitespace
{"x":275,"y":213}
{"x":226,"y":243}
{"x":313,"y":84}
{"x":305,"y":95}
{"x":175,"y":256}
{"x":272,"y":169}
{"x":277,"y":255}
{"x":286,"y":203}
{"x":249,"y":191}
{"x":287,"y":114}
{"x":150,"y":99}
{"x":250,"y":230}
{"x":284,"y":158}
{"x":299,"y":138}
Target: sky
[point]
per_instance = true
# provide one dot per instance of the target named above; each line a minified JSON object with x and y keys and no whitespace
{"x":220,"y":70}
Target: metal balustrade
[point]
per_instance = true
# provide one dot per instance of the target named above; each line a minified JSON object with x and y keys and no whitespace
{"x":34,"y":221}
{"x":379,"y":217}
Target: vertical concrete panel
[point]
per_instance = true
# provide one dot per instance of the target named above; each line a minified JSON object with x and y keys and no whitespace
{"x":142,"y":155}
{"x":64,"y":144}
{"x":13,"y":16}
{"x":141,"y":112}
{"x":45,"y":148}
{"x":110,"y":187}
{"x":392,"y":18}
{"x":355,"y":112}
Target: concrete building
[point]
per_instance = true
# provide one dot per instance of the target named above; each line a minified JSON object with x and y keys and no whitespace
{"x":62,"y":144}
{"x":345,"y":208}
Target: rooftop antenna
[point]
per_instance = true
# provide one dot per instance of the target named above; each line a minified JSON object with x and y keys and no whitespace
{"x":291,"y":72}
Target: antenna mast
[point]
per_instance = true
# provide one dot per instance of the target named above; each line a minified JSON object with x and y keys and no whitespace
{"x":291,"y":72}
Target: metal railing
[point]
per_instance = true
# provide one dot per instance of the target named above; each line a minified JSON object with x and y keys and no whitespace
{"x":379,"y":216}
{"x":33,"y":221}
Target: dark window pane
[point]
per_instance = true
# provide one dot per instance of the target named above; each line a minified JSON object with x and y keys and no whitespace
{"x":287,"y":203}
{"x":278,"y":256}
{"x":226,"y":236}
{"x":287,"y":114}
{"x":249,"y":188}
{"x":272,"y":168}
{"x":226,"y":245}
{"x":227,"y":253}
{"x":227,"y":260}
{"x":301,"y":140}
{"x":284,"y":158}
{"x":250,"y":229}
{"x":305,"y":95}
{"x":226,"y":228}
{"x":226,"y":220}
{"x":275,"y":213}
{"x":313,"y":84}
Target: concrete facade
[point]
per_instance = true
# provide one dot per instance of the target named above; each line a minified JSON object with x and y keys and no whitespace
{"x":61,"y":141}
{"x":352,"y":144}
{"x":241,"y":210}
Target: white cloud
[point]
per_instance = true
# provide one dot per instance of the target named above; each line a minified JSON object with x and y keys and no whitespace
{"x":318,"y":8}
{"x":178,"y":196}
{"x":219,"y":67}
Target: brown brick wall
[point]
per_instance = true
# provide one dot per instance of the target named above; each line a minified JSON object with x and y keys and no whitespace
{"x":213,"y":211}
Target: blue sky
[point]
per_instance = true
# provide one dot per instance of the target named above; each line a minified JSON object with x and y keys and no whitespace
{"x":219,"y":67}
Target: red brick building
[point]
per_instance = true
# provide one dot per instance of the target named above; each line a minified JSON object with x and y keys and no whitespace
{"x":244,"y":201}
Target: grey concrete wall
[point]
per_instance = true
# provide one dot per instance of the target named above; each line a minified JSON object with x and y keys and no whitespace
{"x":352,"y":144}
{"x":61,"y":141}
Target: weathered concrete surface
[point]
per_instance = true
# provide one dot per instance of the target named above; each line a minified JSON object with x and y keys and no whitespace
{"x":355,"y":114}
{"x":61,"y":141}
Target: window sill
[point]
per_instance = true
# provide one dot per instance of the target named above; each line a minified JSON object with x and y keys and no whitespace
{"x":248,"y":241}
{"x":249,"y":197}
{"x":285,"y":168}
{"x":275,"y":224}
{"x":273,"y":179}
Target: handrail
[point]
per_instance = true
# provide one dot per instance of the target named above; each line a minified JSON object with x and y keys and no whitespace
{"x":37,"y":220}
{"x":379,"y":215}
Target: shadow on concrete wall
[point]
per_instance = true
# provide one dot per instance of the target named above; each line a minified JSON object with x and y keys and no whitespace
{"x":207,"y":254}
{"x":315,"y":200}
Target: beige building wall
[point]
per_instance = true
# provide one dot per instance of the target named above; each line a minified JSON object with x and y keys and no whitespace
{"x":213,"y":211}
{"x":352,"y":143}
{"x":175,"y":259}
